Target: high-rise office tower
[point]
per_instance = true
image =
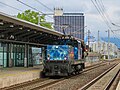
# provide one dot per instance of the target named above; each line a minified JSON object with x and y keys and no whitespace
{"x":72,"y":23}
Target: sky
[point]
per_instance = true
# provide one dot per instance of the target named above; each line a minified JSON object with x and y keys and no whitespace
{"x":93,"y":19}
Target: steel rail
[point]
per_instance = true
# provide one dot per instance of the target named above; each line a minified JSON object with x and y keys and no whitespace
{"x":97,"y":78}
{"x":29,"y":83}
{"x":63,"y":79}
{"x":112,"y":80}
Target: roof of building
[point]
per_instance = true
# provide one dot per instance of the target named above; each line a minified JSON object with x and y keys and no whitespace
{"x":16,"y":30}
{"x":78,"y":14}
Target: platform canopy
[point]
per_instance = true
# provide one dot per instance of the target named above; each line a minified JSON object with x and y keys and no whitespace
{"x":16,"y":30}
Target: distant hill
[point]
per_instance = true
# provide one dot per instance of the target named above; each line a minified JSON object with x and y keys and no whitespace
{"x":116,"y":41}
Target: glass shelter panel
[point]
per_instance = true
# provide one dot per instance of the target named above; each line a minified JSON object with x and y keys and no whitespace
{"x":36,"y":56}
{"x":12,"y":55}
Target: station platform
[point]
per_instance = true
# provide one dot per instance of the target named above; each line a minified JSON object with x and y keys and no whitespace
{"x":16,"y":75}
{"x":118,"y":86}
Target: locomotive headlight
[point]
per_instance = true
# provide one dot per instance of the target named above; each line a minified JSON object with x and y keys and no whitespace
{"x":56,"y":47}
{"x":65,"y":58}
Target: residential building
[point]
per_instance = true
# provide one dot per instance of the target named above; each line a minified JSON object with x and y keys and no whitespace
{"x":102,"y":48}
{"x":118,"y":56}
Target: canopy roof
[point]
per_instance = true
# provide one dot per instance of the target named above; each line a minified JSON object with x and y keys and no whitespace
{"x":16,"y":30}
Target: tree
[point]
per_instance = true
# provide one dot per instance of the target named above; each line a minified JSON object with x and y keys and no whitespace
{"x":32,"y":16}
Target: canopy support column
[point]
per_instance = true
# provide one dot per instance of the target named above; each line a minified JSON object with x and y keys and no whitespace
{"x":10,"y":57}
{"x":25,"y":59}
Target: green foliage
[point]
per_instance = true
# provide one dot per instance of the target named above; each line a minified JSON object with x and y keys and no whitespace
{"x":32,"y":16}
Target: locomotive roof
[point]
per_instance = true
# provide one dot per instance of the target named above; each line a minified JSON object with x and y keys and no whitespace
{"x":67,"y":40}
{"x":68,"y":37}
{"x":71,"y":38}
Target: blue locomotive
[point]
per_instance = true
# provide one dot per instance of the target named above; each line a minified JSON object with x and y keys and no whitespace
{"x":64,"y":57}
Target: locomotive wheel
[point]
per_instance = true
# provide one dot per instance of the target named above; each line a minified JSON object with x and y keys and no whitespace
{"x":42,"y":74}
{"x":73,"y":73}
{"x":81,"y":68}
{"x":69,"y":74}
{"x":77,"y":72}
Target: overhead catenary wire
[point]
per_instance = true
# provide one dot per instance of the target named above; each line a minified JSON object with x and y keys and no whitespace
{"x":11,"y":6}
{"x":103,"y":8}
{"x":52,"y":11}
{"x":106,"y":14}
{"x":34,"y":9}
{"x":44,"y":5}
{"x":101,"y":13}
{"x":100,"y":6}
{"x":30,"y":6}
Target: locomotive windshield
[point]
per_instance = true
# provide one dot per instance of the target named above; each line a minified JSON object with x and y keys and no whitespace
{"x":58,"y":52}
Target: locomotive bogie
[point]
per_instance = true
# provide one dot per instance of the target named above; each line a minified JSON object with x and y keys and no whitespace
{"x":62,"y":68}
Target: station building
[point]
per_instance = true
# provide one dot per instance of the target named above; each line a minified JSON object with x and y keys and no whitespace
{"x":19,"y":37}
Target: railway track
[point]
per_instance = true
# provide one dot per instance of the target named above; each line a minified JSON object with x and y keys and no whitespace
{"x":105,"y":80}
{"x":48,"y":83}
{"x":110,"y":84}
{"x":40,"y":81}
{"x":63,"y":79}
{"x":69,"y":84}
